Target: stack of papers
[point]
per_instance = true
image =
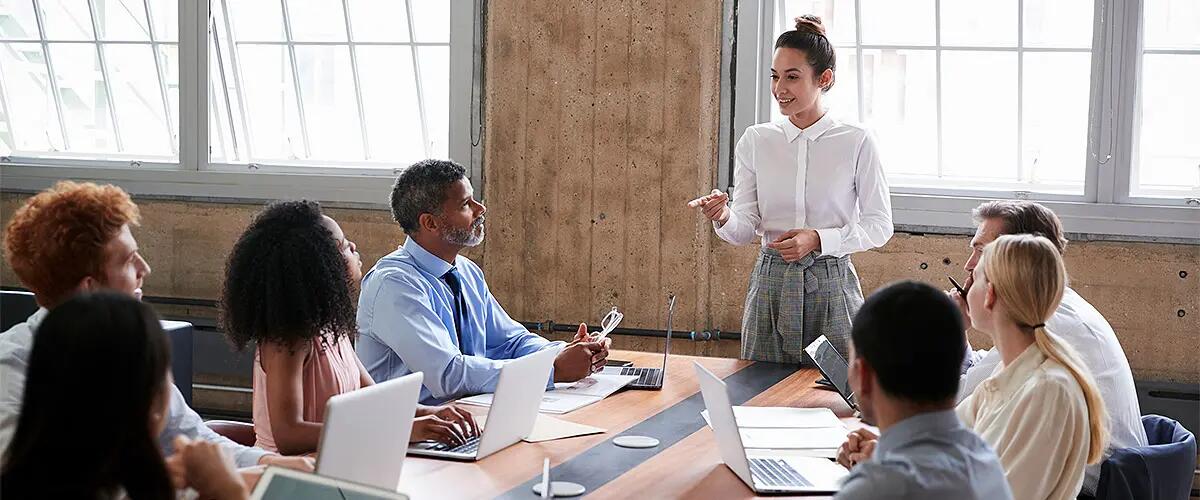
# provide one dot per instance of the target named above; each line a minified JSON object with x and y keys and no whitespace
{"x":569,"y":397}
{"x":783,"y":428}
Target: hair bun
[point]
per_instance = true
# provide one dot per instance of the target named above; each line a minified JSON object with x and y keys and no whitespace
{"x":810,"y":23}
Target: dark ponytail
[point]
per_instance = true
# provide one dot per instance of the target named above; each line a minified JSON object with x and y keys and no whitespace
{"x":809,"y":37}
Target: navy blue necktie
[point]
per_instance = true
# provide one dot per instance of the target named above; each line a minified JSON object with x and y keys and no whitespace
{"x":460,"y":305}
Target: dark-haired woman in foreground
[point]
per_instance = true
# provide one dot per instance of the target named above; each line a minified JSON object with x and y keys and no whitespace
{"x":813,"y":189}
{"x":105,"y":354}
{"x":290,"y":287}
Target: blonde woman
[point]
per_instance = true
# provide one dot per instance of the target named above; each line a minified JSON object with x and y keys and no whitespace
{"x":1040,"y":410}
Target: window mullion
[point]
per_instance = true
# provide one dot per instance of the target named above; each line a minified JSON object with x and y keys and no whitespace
{"x":162,"y":78}
{"x":108,"y":87}
{"x":937,"y":35}
{"x":8,"y":130}
{"x":358,"y":100}
{"x":193,"y":85}
{"x":291,"y":48}
{"x":1126,"y":78}
{"x":860,"y":63}
{"x":412,"y":36}
{"x":51,"y":76}
{"x":1023,"y":174}
{"x":236,"y":68}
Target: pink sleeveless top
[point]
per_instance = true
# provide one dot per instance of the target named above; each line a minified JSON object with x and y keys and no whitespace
{"x":328,"y":371}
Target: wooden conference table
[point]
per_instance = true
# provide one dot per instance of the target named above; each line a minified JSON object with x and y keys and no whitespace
{"x":685,"y":465}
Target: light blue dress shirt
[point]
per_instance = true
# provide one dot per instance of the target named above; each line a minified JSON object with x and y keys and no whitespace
{"x":406,"y":325}
{"x":931,"y":455}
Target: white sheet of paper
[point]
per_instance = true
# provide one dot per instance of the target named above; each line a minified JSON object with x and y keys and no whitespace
{"x":809,"y":438}
{"x":598,"y":385}
{"x":781,"y":417}
{"x":547,"y":428}
{"x":569,"y":397}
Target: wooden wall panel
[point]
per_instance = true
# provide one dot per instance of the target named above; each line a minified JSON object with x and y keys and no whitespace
{"x":537,"y":203}
{"x":504,"y":177}
{"x":610,"y":169}
{"x":575,"y":69}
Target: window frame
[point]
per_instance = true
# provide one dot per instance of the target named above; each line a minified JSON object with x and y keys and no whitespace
{"x":195,"y":177}
{"x":1105,"y":209}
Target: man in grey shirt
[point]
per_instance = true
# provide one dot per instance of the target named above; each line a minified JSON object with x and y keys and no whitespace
{"x":904,"y":370}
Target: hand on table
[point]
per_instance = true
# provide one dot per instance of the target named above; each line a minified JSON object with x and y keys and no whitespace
{"x":300,"y":463}
{"x":203,"y":466}
{"x":448,"y":424}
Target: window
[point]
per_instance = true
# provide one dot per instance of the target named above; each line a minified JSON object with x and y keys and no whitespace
{"x":177,"y":97}
{"x":1167,"y":162}
{"x":89,"y":79}
{"x":1086,"y":105}
{"x":344,"y":81}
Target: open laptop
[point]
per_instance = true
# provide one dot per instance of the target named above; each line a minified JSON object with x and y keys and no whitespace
{"x":833,"y":366}
{"x":366,"y":432}
{"x":766,"y":474}
{"x":513,"y":411}
{"x":278,"y":483}
{"x":648,"y":378}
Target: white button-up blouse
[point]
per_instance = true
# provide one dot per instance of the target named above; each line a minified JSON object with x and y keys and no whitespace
{"x":826,"y":177}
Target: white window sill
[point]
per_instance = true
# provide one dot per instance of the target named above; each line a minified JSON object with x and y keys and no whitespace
{"x":365,"y":189}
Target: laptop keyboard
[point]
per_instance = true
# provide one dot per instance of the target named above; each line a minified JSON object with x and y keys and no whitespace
{"x":774,"y":472}
{"x":646,"y":376}
{"x":469,"y":447}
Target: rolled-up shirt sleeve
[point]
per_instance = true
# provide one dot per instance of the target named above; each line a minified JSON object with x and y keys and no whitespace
{"x":874,"y":225}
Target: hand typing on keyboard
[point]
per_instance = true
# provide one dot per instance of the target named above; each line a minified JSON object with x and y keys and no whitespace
{"x":446,"y":424}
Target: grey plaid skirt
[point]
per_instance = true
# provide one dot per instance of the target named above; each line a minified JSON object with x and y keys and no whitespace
{"x":789,"y":305}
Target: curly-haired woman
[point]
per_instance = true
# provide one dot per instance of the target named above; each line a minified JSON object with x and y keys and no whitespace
{"x":289,"y":288}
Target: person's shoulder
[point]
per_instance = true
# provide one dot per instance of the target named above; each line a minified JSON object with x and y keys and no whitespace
{"x":1053,"y":381}
{"x":878,"y":478}
{"x":16,"y":342}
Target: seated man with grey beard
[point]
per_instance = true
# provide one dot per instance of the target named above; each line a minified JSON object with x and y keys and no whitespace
{"x":425,"y":308}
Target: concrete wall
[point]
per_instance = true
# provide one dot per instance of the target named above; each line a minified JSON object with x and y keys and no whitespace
{"x":602,"y":121}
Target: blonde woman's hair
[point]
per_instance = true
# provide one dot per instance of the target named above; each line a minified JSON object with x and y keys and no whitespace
{"x":1028,"y":276}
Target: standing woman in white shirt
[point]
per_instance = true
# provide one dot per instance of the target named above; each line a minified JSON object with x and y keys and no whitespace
{"x":1040,"y":410}
{"x":813,"y":189}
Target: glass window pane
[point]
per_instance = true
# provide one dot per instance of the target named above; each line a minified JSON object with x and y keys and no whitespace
{"x":979,"y":23}
{"x":271,"y":110}
{"x":67,"y":20}
{"x":979,"y":115}
{"x":435,"y":86}
{"x":836,"y":15}
{"x":897,"y":23}
{"x":390,"y":101}
{"x":255,"y":20}
{"x":164,"y":18}
{"x":1168,"y":154}
{"x":379,"y":20}
{"x":138,"y":99}
{"x":18,"y":21}
{"x":1055,"y":116}
{"x":317,"y":20}
{"x":168,"y":56}
{"x":84,"y":97}
{"x":122,"y":20}
{"x":901,"y":108}
{"x":1059,"y":23}
{"x":1172,"y":24}
{"x":32,"y":115}
{"x":330,"y":107}
{"x":431,"y":20}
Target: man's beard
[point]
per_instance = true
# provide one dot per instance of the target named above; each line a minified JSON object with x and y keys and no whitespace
{"x":467,"y":237}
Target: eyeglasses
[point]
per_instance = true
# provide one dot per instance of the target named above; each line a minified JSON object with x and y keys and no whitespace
{"x":609,"y":322}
